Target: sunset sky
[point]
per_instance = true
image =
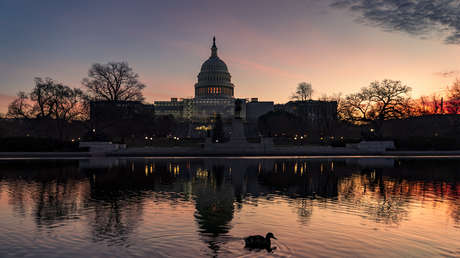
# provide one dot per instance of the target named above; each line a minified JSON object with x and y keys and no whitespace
{"x":269,"y":46}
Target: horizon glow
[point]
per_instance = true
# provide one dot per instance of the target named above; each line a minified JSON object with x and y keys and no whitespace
{"x":268,"y":46}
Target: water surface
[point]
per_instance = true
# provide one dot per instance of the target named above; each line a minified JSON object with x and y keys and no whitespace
{"x":204,"y":207}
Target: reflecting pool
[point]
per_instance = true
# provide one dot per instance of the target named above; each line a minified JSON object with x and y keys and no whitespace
{"x":183,"y":207}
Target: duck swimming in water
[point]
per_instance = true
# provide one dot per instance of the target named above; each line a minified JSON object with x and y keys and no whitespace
{"x":259,"y":241}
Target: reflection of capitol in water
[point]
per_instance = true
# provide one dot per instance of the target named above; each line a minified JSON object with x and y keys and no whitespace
{"x":112,"y":197}
{"x":218,"y":184}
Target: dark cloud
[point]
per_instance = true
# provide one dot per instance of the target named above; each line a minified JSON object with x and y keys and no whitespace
{"x":416,"y":17}
{"x":448,"y":74}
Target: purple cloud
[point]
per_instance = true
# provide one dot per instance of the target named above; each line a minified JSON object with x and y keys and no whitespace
{"x":416,"y":17}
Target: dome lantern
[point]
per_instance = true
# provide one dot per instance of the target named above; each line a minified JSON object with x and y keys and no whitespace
{"x":214,"y":48}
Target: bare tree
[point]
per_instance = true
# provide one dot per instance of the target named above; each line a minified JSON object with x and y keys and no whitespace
{"x":356,"y":107}
{"x":50,"y":100}
{"x":113,"y":82}
{"x":20,"y":108}
{"x":437,"y":103}
{"x":423,"y":106}
{"x":67,"y":104}
{"x":42,"y":95}
{"x":453,"y":103}
{"x":380,"y":101}
{"x":303,"y":92}
{"x":429,"y":105}
{"x":54,"y":100}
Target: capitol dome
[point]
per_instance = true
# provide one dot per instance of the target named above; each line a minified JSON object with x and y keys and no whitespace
{"x":214,"y":80}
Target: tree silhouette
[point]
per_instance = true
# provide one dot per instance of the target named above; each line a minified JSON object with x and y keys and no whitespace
{"x":380,"y":101}
{"x":303,"y":92}
{"x":453,"y":104}
{"x":20,"y":108}
{"x":50,"y":100}
{"x":113,"y":82}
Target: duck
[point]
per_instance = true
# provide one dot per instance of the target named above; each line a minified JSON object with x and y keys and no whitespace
{"x":258,"y":241}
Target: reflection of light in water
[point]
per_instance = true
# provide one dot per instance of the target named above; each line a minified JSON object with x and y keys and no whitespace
{"x":202,"y":174}
{"x":375,"y":200}
{"x":149,"y":169}
{"x":332,"y":166}
{"x":176,"y":170}
{"x":312,"y":207}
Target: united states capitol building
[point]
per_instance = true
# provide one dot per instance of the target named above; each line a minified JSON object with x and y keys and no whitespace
{"x":214,"y":95}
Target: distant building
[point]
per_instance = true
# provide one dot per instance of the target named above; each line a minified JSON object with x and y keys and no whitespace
{"x":256,"y":108}
{"x":314,"y":111}
{"x":174,"y":107}
{"x":108,"y":110}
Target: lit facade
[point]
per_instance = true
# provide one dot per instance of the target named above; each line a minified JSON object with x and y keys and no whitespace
{"x":214,"y":94}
